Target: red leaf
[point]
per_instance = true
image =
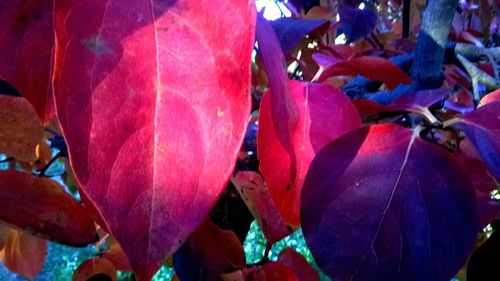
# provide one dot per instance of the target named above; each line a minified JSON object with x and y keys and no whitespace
{"x":371,"y":67}
{"x":20,"y":129}
{"x":482,"y":127}
{"x":391,"y":207}
{"x":153,"y":106}
{"x":271,"y":271}
{"x":42,"y":207}
{"x":209,"y":252}
{"x":251,"y":187}
{"x":325,"y":114}
{"x":24,"y":254}
{"x":26,"y":45}
{"x":368,"y":107}
{"x":95,"y":269}
{"x":303,"y":270}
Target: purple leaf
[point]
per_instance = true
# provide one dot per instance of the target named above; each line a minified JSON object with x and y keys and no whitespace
{"x":419,"y":102}
{"x":356,"y":23}
{"x":379,"y":203}
{"x":289,"y":31}
{"x":482,"y":127}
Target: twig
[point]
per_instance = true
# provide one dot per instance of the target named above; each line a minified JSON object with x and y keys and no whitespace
{"x":6,"y":159}
{"x":406,"y":18}
{"x":477,"y":75}
{"x":46,"y":167}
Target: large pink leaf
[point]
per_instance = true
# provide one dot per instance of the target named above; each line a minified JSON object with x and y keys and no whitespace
{"x":26,"y":45}
{"x":325,"y":114}
{"x":42,"y":207}
{"x":153,"y":99}
{"x":379,"y":203}
{"x":371,"y":67}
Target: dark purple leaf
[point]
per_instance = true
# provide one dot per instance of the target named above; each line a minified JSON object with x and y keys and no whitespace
{"x":379,"y":203}
{"x":289,"y":31}
{"x":356,"y":23}
{"x":419,"y":102}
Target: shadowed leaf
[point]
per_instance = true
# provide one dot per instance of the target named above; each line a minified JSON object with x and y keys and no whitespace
{"x":379,"y":203}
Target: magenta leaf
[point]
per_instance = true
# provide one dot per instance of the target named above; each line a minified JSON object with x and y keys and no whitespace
{"x":151,"y":139}
{"x":482,"y":127}
{"x":379,"y":203}
{"x":325,"y":114}
{"x":289,"y":31}
{"x":356,"y":23}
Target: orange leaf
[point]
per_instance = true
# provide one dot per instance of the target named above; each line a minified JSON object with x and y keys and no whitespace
{"x":20,"y":128}
{"x":24,"y":254}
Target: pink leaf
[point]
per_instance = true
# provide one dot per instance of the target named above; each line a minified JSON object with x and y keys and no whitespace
{"x":153,"y":100}
{"x":325,"y":114}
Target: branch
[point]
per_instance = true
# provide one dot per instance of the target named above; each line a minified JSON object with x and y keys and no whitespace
{"x":427,"y":68}
{"x":477,"y":75}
